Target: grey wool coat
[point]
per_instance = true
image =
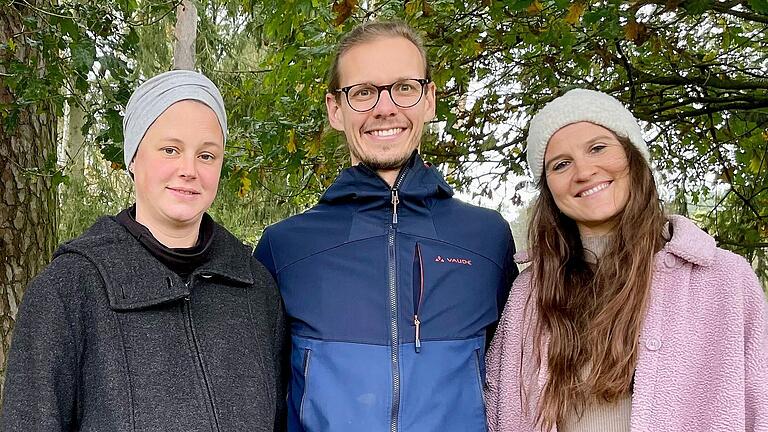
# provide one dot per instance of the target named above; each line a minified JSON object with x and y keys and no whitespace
{"x":108,"y":339}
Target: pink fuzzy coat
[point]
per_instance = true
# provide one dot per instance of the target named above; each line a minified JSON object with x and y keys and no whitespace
{"x":703,"y":360}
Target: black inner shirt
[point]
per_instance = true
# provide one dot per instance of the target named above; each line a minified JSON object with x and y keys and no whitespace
{"x":182,"y":261}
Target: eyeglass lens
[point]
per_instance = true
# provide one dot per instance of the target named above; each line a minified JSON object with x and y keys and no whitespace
{"x":405,"y":94}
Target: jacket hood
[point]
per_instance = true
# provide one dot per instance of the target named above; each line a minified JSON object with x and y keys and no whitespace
{"x":419,"y":182}
{"x":133,"y":276}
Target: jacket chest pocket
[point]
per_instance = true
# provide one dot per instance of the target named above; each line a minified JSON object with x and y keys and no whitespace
{"x":453,"y":292}
{"x":155,"y":319}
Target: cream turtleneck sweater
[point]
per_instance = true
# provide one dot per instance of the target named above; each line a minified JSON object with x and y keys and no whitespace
{"x":599,"y":416}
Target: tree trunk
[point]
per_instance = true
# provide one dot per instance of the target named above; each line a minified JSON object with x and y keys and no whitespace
{"x":74,"y":145}
{"x":186,"y":34}
{"x":27,"y":199}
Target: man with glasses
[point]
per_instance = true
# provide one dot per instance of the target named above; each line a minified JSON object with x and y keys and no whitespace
{"x":392,"y":286}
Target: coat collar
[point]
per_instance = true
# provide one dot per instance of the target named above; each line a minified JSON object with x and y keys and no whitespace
{"x":135,"y":279}
{"x":418,"y":181}
{"x":688,"y":242}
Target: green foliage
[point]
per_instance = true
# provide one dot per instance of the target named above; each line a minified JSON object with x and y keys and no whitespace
{"x":105,"y":192}
{"x":692,"y":72}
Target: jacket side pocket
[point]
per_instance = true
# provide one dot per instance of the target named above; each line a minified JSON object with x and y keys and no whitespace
{"x":480,"y":371}
{"x":305,"y":368}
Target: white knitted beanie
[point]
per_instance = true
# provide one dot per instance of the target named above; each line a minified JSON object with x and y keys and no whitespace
{"x":575,"y":106}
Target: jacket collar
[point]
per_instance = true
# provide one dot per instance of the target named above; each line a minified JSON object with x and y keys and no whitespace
{"x":416,"y":180}
{"x":135,"y":279}
{"x":688,"y":242}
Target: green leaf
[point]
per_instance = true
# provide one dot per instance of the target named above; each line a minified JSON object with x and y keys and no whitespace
{"x":520,"y":5}
{"x":696,"y":7}
{"x":69,"y":27}
{"x":58,"y":178}
{"x":83,"y":55}
{"x":81,"y":84}
{"x":759,"y":6}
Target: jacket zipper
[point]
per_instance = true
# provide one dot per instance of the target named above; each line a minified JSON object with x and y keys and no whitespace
{"x":393,"y":311}
{"x":190,"y":322}
{"x":418,"y":298}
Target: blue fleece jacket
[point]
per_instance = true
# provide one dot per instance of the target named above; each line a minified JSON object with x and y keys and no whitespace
{"x":391,"y":292}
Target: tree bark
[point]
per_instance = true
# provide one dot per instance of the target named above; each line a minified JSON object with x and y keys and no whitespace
{"x":27,"y":199}
{"x":186,"y":34}
{"x":75,"y":145}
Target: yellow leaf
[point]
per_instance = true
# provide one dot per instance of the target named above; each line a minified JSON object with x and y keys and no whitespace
{"x":630,"y":30}
{"x":574,"y":13}
{"x":411,"y":7}
{"x":426,"y":9}
{"x":755,"y":164}
{"x":314,"y":147}
{"x":320,"y":169}
{"x":535,"y":7}
{"x":343,"y":10}
{"x":478,"y":48}
{"x":636,"y":32}
{"x":245,"y":186}
{"x":292,"y":141}
{"x":11,"y":45}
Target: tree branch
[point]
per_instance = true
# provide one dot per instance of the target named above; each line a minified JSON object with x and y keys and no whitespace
{"x":746,"y":106}
{"x":708,"y":81}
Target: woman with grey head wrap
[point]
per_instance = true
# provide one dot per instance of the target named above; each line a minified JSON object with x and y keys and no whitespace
{"x":157,"y":318}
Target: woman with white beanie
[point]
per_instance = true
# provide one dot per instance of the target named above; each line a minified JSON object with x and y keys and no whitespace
{"x":627,"y":319}
{"x":157,"y":319}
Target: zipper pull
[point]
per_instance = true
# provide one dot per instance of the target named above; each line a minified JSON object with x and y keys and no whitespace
{"x":395,"y":202}
{"x":417,"y":323}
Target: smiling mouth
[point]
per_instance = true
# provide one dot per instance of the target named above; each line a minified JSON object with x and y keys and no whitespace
{"x":383,"y":133}
{"x":593,"y":190}
{"x":184,"y":192}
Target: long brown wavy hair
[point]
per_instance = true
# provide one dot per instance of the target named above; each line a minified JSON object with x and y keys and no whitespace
{"x":592,"y":314}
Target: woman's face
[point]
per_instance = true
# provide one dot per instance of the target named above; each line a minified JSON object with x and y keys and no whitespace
{"x":587,"y":171}
{"x":177,"y":166}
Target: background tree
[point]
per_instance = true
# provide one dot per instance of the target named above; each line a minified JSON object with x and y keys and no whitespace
{"x":27,"y":151}
{"x":692,"y":71}
{"x":48,"y":51}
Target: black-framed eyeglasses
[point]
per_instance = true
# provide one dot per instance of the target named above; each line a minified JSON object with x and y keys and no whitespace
{"x":404,"y":93}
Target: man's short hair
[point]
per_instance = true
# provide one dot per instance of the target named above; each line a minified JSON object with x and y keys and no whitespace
{"x":368,"y":32}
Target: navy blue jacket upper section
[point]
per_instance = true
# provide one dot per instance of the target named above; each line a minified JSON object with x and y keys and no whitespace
{"x":453,"y":260}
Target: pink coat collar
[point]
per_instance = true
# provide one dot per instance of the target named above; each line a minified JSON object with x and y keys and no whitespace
{"x":688,"y":242}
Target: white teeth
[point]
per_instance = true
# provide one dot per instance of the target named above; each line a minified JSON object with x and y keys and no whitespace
{"x":386,"y":132}
{"x":595,"y":189}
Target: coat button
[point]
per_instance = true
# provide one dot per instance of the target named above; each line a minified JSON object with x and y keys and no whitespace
{"x":670,"y":261}
{"x":653,"y":344}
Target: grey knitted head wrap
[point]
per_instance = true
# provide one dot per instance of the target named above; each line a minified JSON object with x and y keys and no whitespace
{"x":580,"y":105}
{"x":152,"y":98}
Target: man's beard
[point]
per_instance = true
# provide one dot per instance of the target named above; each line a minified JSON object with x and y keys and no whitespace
{"x":383,"y":164}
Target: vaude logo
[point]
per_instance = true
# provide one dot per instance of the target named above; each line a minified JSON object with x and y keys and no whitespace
{"x":462,"y":261}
